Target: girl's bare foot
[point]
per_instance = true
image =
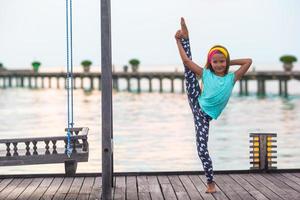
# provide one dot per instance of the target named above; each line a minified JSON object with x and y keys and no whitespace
{"x":184,"y":30}
{"x":211,"y":187}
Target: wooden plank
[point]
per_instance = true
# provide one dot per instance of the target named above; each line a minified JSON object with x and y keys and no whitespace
{"x":131,"y":188}
{"x":63,"y":189}
{"x":120,"y":188}
{"x":247,"y":186}
{"x":260,"y":187}
{"x":237,"y":188}
{"x":155,"y":191}
{"x":38,"y":193}
{"x":225,"y":187}
{"x":10,"y":187}
{"x":292,"y":177}
{"x":86,"y":188}
{"x":80,"y":156}
{"x":143,"y":188}
{"x":201,"y":188}
{"x":97,"y":189}
{"x":31,"y":188}
{"x":167,"y":189}
{"x":75,"y":188}
{"x":4,"y":183}
{"x":56,"y":183}
{"x":282,"y":185}
{"x":272,"y":186}
{"x":190,"y":188}
{"x":18,"y":190}
{"x":180,"y":192}
{"x":296,"y":174}
{"x":288,"y":181}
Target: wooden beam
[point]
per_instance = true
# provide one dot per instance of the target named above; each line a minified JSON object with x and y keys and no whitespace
{"x":106,"y":100}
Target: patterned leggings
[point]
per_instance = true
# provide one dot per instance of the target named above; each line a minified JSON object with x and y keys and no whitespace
{"x":201,"y":119}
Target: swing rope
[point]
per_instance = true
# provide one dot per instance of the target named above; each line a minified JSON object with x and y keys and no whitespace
{"x":69,"y":79}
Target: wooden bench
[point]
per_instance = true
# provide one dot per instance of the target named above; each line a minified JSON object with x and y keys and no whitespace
{"x":46,"y":150}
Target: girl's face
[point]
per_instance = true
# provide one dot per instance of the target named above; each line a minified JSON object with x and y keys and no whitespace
{"x":218,"y":63}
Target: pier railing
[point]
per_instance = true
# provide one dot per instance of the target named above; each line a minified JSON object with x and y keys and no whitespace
{"x":30,"y":79}
{"x":46,"y":150}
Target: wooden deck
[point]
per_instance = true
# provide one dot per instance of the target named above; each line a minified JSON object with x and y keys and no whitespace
{"x":251,"y":186}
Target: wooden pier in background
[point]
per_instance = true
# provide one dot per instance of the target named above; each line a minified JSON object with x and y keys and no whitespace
{"x":9,"y":79}
{"x":230,"y":185}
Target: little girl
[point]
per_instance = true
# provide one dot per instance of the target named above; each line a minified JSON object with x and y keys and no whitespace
{"x":208,"y":102}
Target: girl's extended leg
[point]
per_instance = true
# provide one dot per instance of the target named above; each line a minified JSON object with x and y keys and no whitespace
{"x":202,"y":131}
{"x":191,"y":82}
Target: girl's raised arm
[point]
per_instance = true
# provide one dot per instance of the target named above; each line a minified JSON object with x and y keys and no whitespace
{"x":245,"y":64}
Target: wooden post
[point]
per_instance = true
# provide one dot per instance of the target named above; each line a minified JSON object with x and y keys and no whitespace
{"x":9,"y":81}
{"x":285,"y":88}
{"x":22,"y":81}
{"x":160,"y":85}
{"x":115,"y":83}
{"x":81,"y":83}
{"x":246,"y":87}
{"x":172,"y":85}
{"x":43,"y":82}
{"x":138,"y":84}
{"x":182,"y":85}
{"x":107,"y":114}
{"x":17,"y":81}
{"x":259,"y":87}
{"x":99,"y":83}
{"x":150,"y":84}
{"x":29,"y":82}
{"x":57,"y":82}
{"x":92,"y":82}
{"x":128,"y":84}
{"x":49,"y":79}
{"x":241,"y":87}
{"x":66,"y":83}
{"x":280,"y":87}
{"x":35,"y":82}
{"x":263,"y":87}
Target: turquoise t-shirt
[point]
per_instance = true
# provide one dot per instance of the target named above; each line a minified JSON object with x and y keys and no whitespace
{"x":216,"y":92}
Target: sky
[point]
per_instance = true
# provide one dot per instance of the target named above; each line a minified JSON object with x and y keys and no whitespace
{"x":260,"y":29}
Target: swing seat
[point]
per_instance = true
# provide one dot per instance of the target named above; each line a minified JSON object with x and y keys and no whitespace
{"x":46,"y":150}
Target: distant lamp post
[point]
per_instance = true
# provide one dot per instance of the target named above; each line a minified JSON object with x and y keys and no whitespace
{"x":262,"y":150}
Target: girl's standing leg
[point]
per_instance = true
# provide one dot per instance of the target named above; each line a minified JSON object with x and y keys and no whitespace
{"x":202,"y":131}
{"x":200,"y":118}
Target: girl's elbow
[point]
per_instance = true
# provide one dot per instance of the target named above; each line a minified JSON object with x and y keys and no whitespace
{"x":186,"y":61}
{"x":249,"y":61}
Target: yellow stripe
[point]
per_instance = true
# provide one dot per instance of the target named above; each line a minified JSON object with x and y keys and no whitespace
{"x":220,"y":49}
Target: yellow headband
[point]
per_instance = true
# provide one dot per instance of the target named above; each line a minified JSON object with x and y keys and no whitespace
{"x":219,"y":49}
